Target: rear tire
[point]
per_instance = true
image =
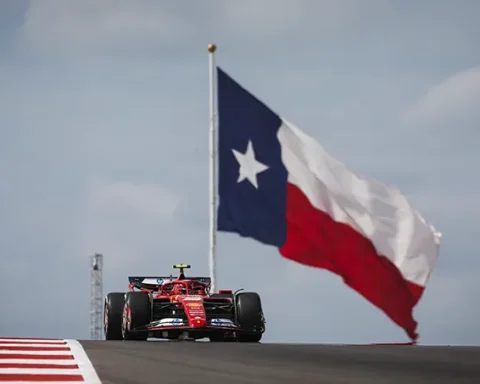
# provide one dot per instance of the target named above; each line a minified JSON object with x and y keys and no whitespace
{"x":136,"y":313}
{"x":250,"y":317}
{"x":112,"y":316}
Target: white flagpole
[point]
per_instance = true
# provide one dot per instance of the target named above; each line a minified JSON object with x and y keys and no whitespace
{"x":213,"y":171}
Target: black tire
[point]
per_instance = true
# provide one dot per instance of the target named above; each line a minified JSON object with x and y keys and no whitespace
{"x":136,"y":313}
{"x":112,"y":316}
{"x":250,"y":317}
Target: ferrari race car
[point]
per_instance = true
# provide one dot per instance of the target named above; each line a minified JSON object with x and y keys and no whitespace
{"x":182,"y":309}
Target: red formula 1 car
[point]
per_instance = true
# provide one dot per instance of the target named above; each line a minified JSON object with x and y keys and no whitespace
{"x":182,"y":309}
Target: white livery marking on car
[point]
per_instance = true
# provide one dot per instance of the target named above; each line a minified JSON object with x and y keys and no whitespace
{"x":222,"y":322}
{"x":168,"y":322}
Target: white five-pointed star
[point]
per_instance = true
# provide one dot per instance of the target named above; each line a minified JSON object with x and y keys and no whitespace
{"x":249,"y":166}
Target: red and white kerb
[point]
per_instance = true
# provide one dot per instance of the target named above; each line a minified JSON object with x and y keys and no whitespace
{"x":44,"y":360}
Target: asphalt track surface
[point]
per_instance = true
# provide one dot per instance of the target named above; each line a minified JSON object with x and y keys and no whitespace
{"x":131,"y":362}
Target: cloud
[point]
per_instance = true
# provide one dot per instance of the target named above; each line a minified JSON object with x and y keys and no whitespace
{"x":444,"y":122}
{"x":280,"y":18}
{"x":144,"y":200}
{"x":145,"y":26}
{"x":91,"y":26}
{"x":454,"y":100}
{"x":126,"y":220}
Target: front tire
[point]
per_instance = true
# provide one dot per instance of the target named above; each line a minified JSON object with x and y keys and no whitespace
{"x":136,"y":313}
{"x":112,"y":316}
{"x":250,"y":317}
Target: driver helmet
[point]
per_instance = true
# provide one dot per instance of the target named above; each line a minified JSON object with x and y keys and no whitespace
{"x":180,"y":289}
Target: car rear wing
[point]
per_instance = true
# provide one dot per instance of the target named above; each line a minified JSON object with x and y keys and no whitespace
{"x":154,"y":282}
{"x":148,"y":282}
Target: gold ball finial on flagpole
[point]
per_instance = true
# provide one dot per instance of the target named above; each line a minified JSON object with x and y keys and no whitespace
{"x":212,"y":48}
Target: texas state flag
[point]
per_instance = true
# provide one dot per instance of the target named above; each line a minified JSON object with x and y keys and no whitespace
{"x":279,"y":186}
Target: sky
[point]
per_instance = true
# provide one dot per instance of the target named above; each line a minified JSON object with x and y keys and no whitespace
{"x":104,"y":148}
